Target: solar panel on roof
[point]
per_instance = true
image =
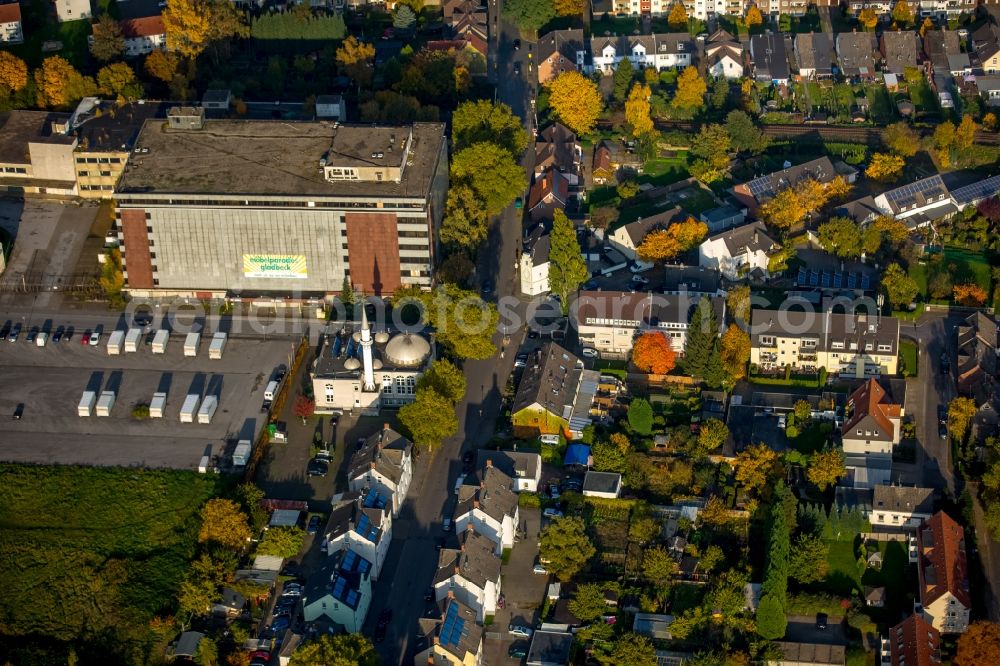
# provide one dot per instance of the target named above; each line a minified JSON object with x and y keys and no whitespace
{"x":366,"y":529}
{"x":348,"y":562}
{"x":801,"y":277}
{"x":338,"y":587}
{"x":352,"y":598}
{"x":813,"y":278}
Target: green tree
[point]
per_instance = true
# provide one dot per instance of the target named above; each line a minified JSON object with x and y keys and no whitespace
{"x":608,"y":457}
{"x":802,"y":410}
{"x":490,"y":170}
{"x":825,"y":467}
{"x":404,"y":18}
{"x":529,"y":14}
{"x":463,"y":321}
{"x":567,"y":269}
{"x":118,"y":80}
{"x":224,"y":523}
{"x":899,"y":287}
{"x":840,"y":236}
{"x":634,"y":650}
{"x":196,"y":596}
{"x":564,"y":544}
{"x":807,"y":562}
{"x":719,"y":97}
{"x":283,"y":542}
{"x":429,"y":419}
{"x":485,"y":121}
{"x":712,"y":435}
{"x":658,"y":565}
{"x":710,"y":153}
{"x":771,"y":620}
{"x":624,"y":73}
{"x":744,"y":136}
{"x":588,"y":603}
{"x":702,"y":339}
{"x":640,"y":416}
{"x":446,"y":379}
{"x":960,"y":413}
{"x":250,"y":497}
{"x":342,"y":650}
{"x":107,"y":41}
{"x":710,"y":559}
{"x":902,"y":139}
{"x":465,"y":223}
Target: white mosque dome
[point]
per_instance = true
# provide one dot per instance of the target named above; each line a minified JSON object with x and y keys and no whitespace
{"x":356,"y":336}
{"x":407,"y":350}
{"x":381,"y":337}
{"x":352,"y":364}
{"x":377,"y":364}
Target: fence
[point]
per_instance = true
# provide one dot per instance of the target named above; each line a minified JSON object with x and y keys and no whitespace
{"x":885,"y":536}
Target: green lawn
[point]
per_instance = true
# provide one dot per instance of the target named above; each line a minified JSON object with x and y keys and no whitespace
{"x":968,"y":265}
{"x":897,"y":576}
{"x":813,"y":438}
{"x":73,"y":35}
{"x":93,"y":554}
{"x":908,"y":358}
{"x":844,"y":578}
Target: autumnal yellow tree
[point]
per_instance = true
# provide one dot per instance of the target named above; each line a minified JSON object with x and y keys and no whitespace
{"x":753,"y":16}
{"x":652,"y":353}
{"x":353,"y":51}
{"x":13,"y":71}
{"x":756,"y":466}
{"x":734,"y":352}
{"x":990,"y":122}
{"x":902,"y":139}
{"x":188,"y":27}
{"x":979,"y":645}
{"x":691,"y":89}
{"x":965,"y":133}
{"x":784,"y":210}
{"x":944,"y":140}
{"x":569,"y":7}
{"x":663,"y":244}
{"x":637,"y":110}
{"x":60,"y":85}
{"x":825,"y":467}
{"x":678,"y":17}
{"x":928,"y":24}
{"x":715,"y":512}
{"x":576,"y":101}
{"x":118,"y":80}
{"x":838,"y":188}
{"x":969,"y":294}
{"x":868,"y":18}
{"x":223,"y":522}
{"x":885,"y":167}
{"x":902,"y":13}
{"x":161,"y":65}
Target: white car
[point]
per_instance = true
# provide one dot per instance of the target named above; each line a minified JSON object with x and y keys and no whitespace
{"x":518,"y":630}
{"x":638,"y":279}
{"x":781,"y":421}
{"x":95,"y":338}
{"x":551,"y":513}
{"x":590,"y":352}
{"x":640,"y":266}
{"x":539,"y":569}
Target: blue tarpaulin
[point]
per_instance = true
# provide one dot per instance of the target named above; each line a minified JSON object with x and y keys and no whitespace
{"x":577,"y":454}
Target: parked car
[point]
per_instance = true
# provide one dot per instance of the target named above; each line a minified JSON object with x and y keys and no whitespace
{"x":317,"y":468}
{"x":281,"y":624}
{"x":640,"y":266}
{"x":639,"y":279}
{"x":68,"y":335}
{"x":520,"y":360}
{"x":5,"y":329}
{"x":385,"y":617}
{"x":58,"y":335}
{"x":942,"y":411}
{"x":292,"y":589}
{"x":821,"y":621}
{"x":539,"y":569}
{"x":313,"y":526}
{"x":429,"y":594}
{"x":943,"y":430}
{"x":518,"y":650}
{"x":32,"y":334}
{"x":517,"y":44}
{"x":486,"y":287}
{"x":517,"y":68}
{"x":554,"y":491}
{"x":95,"y":337}
{"x":551,"y":513}
{"x":358,"y":444}
{"x":19,"y":411}
{"x":590,"y":352}
{"x":590,"y":285}
{"x":446,"y":525}
{"x":142,"y":318}
{"x":379,"y":633}
{"x":520,"y":630}
{"x":85,"y":338}
{"x":782,"y":421}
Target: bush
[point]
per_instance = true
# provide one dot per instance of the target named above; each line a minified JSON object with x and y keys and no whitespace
{"x":140,"y":412}
{"x":529,"y":500}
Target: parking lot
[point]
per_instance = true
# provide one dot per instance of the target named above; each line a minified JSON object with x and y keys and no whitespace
{"x":50,"y":381}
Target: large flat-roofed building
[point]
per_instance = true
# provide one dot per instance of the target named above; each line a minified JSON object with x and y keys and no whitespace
{"x":213,"y":208}
{"x":36,"y":153}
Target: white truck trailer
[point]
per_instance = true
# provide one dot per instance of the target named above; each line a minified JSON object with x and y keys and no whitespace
{"x":191,"y":343}
{"x":190,"y":408}
{"x":157,"y":405}
{"x":160,"y":341}
{"x":115,"y":342}
{"x":86,"y":406}
{"x":241,"y":455}
{"x":105,"y":403}
{"x":207,"y":410}
{"x":217,"y":346}
{"x":132,"y":340}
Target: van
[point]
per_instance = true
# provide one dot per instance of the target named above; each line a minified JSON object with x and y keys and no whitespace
{"x":42,"y":338}
{"x":272,"y":388}
{"x":551,"y":440}
{"x":459,"y":482}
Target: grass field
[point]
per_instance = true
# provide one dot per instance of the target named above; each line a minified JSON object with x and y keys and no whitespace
{"x":908,"y":356}
{"x":961,"y":265}
{"x":844,"y":578}
{"x":72,"y":34}
{"x":93,"y":554}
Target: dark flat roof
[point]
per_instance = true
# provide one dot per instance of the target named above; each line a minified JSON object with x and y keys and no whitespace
{"x":23,"y":127}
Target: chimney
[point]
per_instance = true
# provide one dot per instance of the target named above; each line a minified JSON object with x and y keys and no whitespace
{"x":755,"y":237}
{"x":489,"y":462}
{"x":469,"y":527}
{"x":373,"y":464}
{"x":475,"y":504}
{"x":451,"y":594}
{"x":385,"y":426}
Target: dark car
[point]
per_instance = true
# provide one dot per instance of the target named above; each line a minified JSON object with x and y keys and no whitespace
{"x":142,"y":318}
{"x":379,"y":633}
{"x":518,"y":650}
{"x":58,"y":335}
{"x":821,"y":621}
{"x":317,"y":468}
{"x":68,"y":335}
{"x":6,"y":328}
{"x":942,"y":413}
{"x":281,"y":623}
{"x":942,"y":431}
{"x":32,"y":334}
{"x":385,"y":617}
{"x":358,"y":444}
{"x":429,"y":594}
{"x":467,"y":457}
{"x":14,"y":333}
{"x":313,"y":526}
{"x":517,"y":68}
{"x":517,"y":44}
{"x":440,"y":544}
{"x":486,"y":287}
{"x":19,"y":411}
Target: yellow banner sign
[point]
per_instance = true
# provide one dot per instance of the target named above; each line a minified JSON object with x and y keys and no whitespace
{"x":280,"y":266}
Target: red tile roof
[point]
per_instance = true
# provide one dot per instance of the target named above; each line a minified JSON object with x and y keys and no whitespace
{"x":867,"y":400}
{"x":143,"y":27}
{"x":914,"y":642}
{"x":941,"y":566}
{"x":551,"y":183}
{"x":10,"y":13}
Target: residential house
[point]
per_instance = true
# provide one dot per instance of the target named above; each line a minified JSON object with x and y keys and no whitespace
{"x":740,"y":252}
{"x":874,"y":422}
{"x":914,"y":642}
{"x":901,"y":507}
{"x":986,"y":46}
{"x":560,"y":51}
{"x":809,"y":654}
{"x":534,"y":262}
{"x":755,"y":192}
{"x":849,"y":345}
{"x":362,"y":523}
{"x":11,"y":31}
{"x":489,"y":506}
{"x":609,"y":321}
{"x":899,"y":50}
{"x":523,"y":467}
{"x":856,"y":54}
{"x":468,"y":21}
{"x":549,"y":648}
{"x":550,"y":192}
{"x":693,"y":280}
{"x":814,"y":55}
{"x":602,"y":484}
{"x":470,"y":574}
{"x":943,"y":54}
{"x":339,"y":592}
{"x":558,"y":148}
{"x":724,"y":56}
{"x":943,"y":576}
{"x":610,"y":158}
{"x":945,"y":9}
{"x":628,"y":237}
{"x":73,"y":10}
{"x":978,"y":352}
{"x":723,"y":217}
{"x":231,"y":604}
{"x":989,"y":89}
{"x":453,"y":637}
{"x":555,"y":395}
{"x":143,"y":35}
{"x":769,"y":55}
{"x":922,"y":202}
{"x":385,"y":462}
{"x":659,"y":51}
{"x":656,"y":627}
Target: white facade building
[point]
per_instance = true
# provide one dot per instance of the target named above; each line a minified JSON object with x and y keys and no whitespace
{"x":470,"y":574}
{"x":73,"y":10}
{"x":739,"y":252}
{"x":362,"y":523}
{"x":489,"y":507}
{"x":384,"y":462}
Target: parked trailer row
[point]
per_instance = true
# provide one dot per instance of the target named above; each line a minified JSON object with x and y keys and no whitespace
{"x":105,"y":403}
{"x":190,"y":408}
{"x":132,"y":340}
{"x":160,"y":340}
{"x":218,"y":345}
{"x":86,"y":406}
{"x":191,"y":344}
{"x":115,"y":343}
{"x":157,"y":405}
{"x":208,"y":407}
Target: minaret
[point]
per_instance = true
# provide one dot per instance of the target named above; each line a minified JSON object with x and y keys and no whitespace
{"x":366,"y":351}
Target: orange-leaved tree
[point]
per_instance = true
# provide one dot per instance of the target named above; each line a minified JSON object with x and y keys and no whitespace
{"x":970,"y":294}
{"x":13,"y":71}
{"x":679,"y":237}
{"x":652,"y":353}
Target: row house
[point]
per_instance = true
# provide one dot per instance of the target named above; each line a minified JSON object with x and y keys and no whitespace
{"x":945,"y":9}
{"x":922,"y":202}
{"x":468,"y":21}
{"x":769,"y":54}
{"x":11,"y":31}
{"x":942,"y":572}
{"x":978,"y":343}
{"x":724,"y":56}
{"x":383,"y":462}
{"x":740,"y":252}
{"x":659,"y":51}
{"x":856,"y":55}
{"x":899,"y":51}
{"x":469,"y":573}
{"x":144,"y":35}
{"x":557,"y":147}
{"x":362,"y":523}
{"x":753,"y":193}
{"x":488,"y":502}
{"x":339,"y":592}
{"x":814,"y":55}
{"x":913,"y":642}
{"x":452,"y":637}
{"x":869,"y":434}
{"x":560,"y":51}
